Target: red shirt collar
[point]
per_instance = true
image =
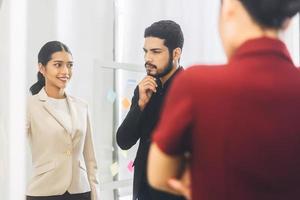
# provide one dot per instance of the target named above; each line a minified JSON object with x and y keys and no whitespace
{"x":260,"y":46}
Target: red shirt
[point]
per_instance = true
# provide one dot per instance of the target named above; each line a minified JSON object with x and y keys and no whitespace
{"x":241,"y":123}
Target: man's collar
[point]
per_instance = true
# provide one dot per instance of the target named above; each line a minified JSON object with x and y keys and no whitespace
{"x":179,"y":69}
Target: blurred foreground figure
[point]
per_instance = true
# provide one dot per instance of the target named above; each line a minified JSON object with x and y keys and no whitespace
{"x":238,"y":122}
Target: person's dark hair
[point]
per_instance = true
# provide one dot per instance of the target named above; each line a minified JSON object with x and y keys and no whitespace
{"x":271,"y":13}
{"x":167,"y":30}
{"x":44,"y":56}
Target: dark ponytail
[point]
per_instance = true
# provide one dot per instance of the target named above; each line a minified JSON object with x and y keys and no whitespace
{"x":35,"y":88}
{"x":44,"y":56}
{"x":271,"y":13}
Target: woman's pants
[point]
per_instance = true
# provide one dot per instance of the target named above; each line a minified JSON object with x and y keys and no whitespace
{"x":65,"y":196}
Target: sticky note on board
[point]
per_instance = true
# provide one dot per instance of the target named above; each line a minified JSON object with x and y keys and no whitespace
{"x":114,"y":169}
{"x":130,"y":166}
{"x":125,"y":103}
{"x":111,"y":96}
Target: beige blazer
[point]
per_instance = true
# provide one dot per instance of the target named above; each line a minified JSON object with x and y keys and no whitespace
{"x":63,"y":160}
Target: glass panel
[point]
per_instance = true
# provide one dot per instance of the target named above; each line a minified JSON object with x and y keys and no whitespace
{"x":113,"y":90}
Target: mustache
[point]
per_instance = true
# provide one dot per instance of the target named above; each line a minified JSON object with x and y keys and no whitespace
{"x":149,"y":64}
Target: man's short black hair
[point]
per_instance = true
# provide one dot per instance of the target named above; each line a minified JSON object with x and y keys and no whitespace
{"x":167,"y":30}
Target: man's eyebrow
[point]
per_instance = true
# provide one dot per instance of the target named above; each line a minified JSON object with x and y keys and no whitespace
{"x":155,"y":49}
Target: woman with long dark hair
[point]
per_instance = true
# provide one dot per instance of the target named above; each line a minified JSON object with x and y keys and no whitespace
{"x":59,"y":132}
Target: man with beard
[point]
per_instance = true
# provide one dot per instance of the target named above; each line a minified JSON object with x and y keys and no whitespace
{"x":162,"y":47}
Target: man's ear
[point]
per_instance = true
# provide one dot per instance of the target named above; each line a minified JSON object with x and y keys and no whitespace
{"x":177,"y":53}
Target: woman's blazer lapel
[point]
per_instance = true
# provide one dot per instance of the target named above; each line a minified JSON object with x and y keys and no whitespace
{"x":73,"y":112}
{"x":49,"y":108}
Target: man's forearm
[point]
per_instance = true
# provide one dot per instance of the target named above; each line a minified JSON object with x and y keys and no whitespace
{"x":128,"y":133}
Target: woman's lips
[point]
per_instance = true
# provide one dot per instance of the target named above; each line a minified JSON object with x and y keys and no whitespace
{"x":63,"y":78}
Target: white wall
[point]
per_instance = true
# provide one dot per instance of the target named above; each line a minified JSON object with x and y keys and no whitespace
{"x":42,"y":28}
{"x":198,"y":20}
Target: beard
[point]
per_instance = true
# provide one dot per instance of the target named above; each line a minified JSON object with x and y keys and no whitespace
{"x":165,"y":71}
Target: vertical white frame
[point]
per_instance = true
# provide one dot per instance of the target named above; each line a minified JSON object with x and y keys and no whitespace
{"x":17,"y":99}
